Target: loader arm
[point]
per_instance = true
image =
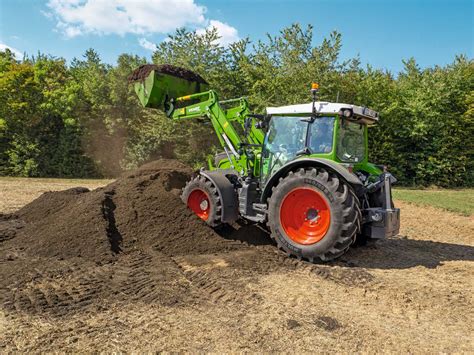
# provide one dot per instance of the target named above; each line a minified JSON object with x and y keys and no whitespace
{"x":182,"y":94}
{"x":209,"y":108}
{"x":240,"y":114}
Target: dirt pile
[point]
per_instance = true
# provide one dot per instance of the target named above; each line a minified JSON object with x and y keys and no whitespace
{"x":142,"y":72}
{"x":143,"y":207}
{"x":67,"y":249}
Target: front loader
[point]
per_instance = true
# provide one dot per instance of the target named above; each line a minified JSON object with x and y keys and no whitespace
{"x":302,"y":170}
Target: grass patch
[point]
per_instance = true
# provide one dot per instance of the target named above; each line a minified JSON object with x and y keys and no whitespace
{"x":459,"y":201}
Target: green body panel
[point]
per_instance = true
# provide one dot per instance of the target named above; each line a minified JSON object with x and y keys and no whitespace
{"x":157,"y":88}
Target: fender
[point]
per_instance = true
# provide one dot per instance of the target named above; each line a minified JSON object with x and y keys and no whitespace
{"x":330,"y":165}
{"x":226,"y":191}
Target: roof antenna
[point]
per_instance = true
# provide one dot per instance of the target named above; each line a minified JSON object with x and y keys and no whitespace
{"x":314,"y":92}
{"x":337,"y":96}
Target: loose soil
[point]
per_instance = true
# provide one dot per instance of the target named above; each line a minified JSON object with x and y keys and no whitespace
{"x":142,"y":72}
{"x":128,"y":267}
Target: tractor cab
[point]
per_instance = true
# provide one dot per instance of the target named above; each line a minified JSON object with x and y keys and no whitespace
{"x":332,"y":131}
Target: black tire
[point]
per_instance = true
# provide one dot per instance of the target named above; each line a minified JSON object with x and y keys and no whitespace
{"x":203,"y":184}
{"x":345,"y":214}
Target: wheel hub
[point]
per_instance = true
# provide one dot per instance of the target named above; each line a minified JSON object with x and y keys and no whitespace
{"x":198,"y":202}
{"x":312,"y":215}
{"x":305,"y":215}
{"x":204,"y":205}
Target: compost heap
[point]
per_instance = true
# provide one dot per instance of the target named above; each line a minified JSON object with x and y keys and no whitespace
{"x":66,"y":250}
{"x":142,"y":72}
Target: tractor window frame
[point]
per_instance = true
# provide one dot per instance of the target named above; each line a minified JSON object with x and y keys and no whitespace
{"x":279,"y":153}
{"x":328,"y":122}
{"x":348,"y":128}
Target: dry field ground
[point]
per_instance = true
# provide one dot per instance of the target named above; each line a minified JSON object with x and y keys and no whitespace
{"x":17,"y":192}
{"x":411,"y":293}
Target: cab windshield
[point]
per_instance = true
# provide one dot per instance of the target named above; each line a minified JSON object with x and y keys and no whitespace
{"x":289,"y":135}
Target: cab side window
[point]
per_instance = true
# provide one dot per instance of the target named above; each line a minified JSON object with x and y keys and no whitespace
{"x":321,"y":135}
{"x":351,"y":144}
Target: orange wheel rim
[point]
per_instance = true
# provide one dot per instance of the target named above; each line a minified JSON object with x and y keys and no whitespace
{"x":305,"y":215}
{"x":198,"y":202}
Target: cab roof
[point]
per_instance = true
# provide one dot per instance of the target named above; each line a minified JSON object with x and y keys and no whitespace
{"x":360,"y":114}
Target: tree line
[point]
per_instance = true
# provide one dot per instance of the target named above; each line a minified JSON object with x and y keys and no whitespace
{"x":82,"y":119}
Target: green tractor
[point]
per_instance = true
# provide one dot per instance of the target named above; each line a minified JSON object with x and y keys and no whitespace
{"x":302,"y":170}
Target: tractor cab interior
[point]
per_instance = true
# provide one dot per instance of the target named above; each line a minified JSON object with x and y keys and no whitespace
{"x":351,"y":146}
{"x":288,"y":136}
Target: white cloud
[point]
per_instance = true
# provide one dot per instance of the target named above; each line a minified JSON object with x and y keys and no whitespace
{"x":227,"y":33}
{"x":15,"y":51}
{"x":147,"y":44}
{"x":69,"y":31}
{"x":47,"y":14}
{"x":77,"y":17}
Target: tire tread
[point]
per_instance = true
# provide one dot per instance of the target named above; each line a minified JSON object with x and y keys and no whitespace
{"x":345,"y":196}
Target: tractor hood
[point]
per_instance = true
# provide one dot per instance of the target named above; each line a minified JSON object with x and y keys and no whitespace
{"x":360,"y":114}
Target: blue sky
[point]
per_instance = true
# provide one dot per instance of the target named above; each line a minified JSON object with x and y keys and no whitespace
{"x":381,"y":32}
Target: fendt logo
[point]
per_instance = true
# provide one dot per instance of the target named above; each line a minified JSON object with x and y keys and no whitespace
{"x":194,"y":109}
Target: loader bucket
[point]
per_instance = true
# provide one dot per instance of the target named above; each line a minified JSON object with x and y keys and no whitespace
{"x":155,"y":85}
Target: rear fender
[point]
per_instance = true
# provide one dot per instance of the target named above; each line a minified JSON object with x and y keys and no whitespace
{"x":329,"y":165}
{"x":226,"y":192}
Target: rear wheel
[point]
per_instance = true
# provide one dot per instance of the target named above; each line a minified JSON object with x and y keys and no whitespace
{"x":313,"y":214}
{"x":201,"y":196}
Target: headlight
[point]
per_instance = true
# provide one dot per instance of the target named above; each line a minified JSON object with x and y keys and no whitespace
{"x":345,"y":112}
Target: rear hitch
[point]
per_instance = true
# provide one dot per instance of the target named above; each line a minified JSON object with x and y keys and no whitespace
{"x":382,"y":221}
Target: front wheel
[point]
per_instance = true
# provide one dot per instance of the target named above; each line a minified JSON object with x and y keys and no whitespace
{"x":201,"y":196}
{"x":313,"y":215}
